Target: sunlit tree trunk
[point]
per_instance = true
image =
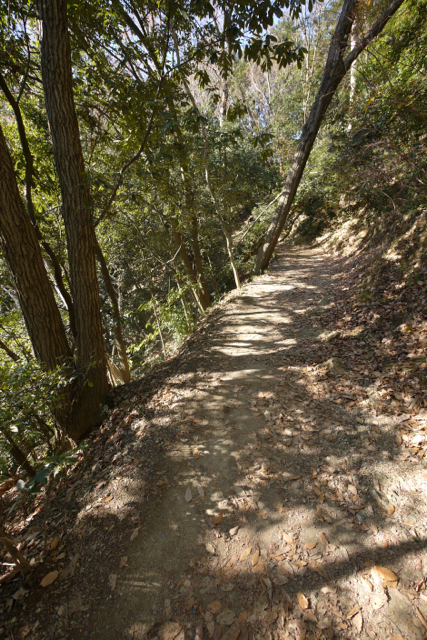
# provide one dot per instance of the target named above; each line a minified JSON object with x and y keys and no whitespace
{"x":335,"y":69}
{"x":91,"y":387}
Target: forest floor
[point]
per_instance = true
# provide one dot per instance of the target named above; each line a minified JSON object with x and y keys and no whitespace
{"x":267,"y":482}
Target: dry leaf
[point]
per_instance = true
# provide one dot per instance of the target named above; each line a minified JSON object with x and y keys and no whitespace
{"x":123,"y":562}
{"x":358,"y":622}
{"x":323,"y":539}
{"x":384,"y":577}
{"x":201,"y":491}
{"x":287,"y":537}
{"x":310,"y":545}
{"x":421,"y":617}
{"x":232,"y":633}
{"x":188,"y":495}
{"x":309,"y":616}
{"x":49,"y":578}
{"x":169,"y":631}
{"x":135,"y":533}
{"x":196,"y":453}
{"x":390,"y":510}
{"x":245,"y":554}
{"x":106,"y":499}
{"x":296,"y":629}
{"x":378,"y":600}
{"x":320,"y":569}
{"x":227,"y":617}
{"x":54,"y":544}
{"x":112,"y":579}
{"x":214,"y":607}
{"x":255,"y":558}
{"x":218,"y":518}
{"x":233,"y":531}
{"x":324,"y":624}
{"x":243,"y":616}
{"x":302,"y":600}
{"x":353,"y":612}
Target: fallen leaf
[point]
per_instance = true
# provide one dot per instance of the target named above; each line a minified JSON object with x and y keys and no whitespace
{"x":227,"y":617}
{"x":196,"y":453}
{"x":302,"y":600}
{"x":353,"y":612}
{"x":123,"y":562}
{"x":218,"y":518}
{"x":318,"y":568}
{"x":188,"y":495}
{"x":106,"y":499}
{"x":378,"y":600}
{"x":169,"y":631}
{"x":233,"y":531}
{"x":310,"y":545}
{"x":54,"y":544}
{"x":214,"y":607}
{"x":245,"y":554}
{"x":421,"y":617}
{"x":112,"y":579}
{"x":201,"y":491}
{"x":323,"y":539}
{"x":384,"y":577}
{"x":358,"y":622}
{"x":324,"y":624}
{"x":135,"y":533}
{"x":296,"y":629}
{"x":309,"y":616}
{"x":49,"y":578}
{"x":243,"y":616}
{"x":287,"y":537}
{"x":24,"y":631}
{"x":255,"y":558}
{"x":390,"y":509}
{"x":232,"y":633}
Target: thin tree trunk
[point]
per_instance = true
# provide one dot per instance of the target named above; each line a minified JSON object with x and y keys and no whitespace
{"x":228,"y":238}
{"x":197,"y":293}
{"x":118,"y":334}
{"x":335,"y":69}
{"x":17,"y":454}
{"x":9,"y":352}
{"x":91,"y":388}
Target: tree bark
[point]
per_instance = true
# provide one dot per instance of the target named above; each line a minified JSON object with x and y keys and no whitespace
{"x":9,"y":352}
{"x":18,"y":455}
{"x":197,"y":293}
{"x":23,"y":255}
{"x":117,"y":319}
{"x":91,"y":387}
{"x":29,"y":174}
{"x":335,"y":69}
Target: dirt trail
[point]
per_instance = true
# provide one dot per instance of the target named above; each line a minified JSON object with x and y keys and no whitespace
{"x":271,"y":490}
{"x":273,"y":493}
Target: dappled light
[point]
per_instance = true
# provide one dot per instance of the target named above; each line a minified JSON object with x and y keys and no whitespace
{"x":248,"y":490}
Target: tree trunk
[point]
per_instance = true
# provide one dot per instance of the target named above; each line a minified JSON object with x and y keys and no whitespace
{"x":18,"y":455}
{"x":118,"y":334}
{"x":199,"y":263}
{"x":23,"y":254}
{"x":9,"y":352}
{"x":91,"y":387}
{"x":335,"y":69}
{"x":197,"y":293}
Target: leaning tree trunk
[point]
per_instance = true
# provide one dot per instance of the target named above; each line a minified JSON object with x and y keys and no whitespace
{"x":91,"y":387}
{"x":117,"y":318}
{"x":23,"y":254}
{"x":335,"y":69}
